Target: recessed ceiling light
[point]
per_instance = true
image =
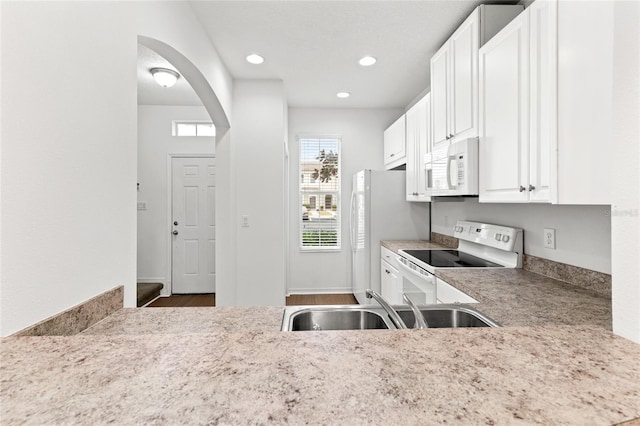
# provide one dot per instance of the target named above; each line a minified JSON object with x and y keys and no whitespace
{"x":343,"y":94}
{"x":255,"y":59}
{"x":164,"y":77}
{"x":367,"y":61}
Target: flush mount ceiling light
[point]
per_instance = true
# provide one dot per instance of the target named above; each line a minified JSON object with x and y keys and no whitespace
{"x":164,"y":77}
{"x":367,"y":61}
{"x":255,"y":59}
{"x":343,"y":94}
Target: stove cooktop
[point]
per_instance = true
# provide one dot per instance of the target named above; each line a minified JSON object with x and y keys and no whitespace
{"x":450,"y":259}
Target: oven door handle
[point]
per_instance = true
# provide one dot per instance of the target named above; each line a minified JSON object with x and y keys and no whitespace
{"x":425,"y":279}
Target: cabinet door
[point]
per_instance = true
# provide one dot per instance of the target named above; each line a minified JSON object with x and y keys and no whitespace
{"x":440,"y":96}
{"x":411,"y":147}
{"x":464,"y":77}
{"x":424,"y":145}
{"x":394,"y":144}
{"x":390,"y":283}
{"x":504,"y":114}
{"x":543,"y":97}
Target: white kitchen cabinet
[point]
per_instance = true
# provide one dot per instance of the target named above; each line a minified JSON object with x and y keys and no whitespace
{"x":504,"y":111}
{"x":417,"y":146}
{"x":545,"y":106}
{"x":446,"y":293}
{"x":390,"y":284}
{"x":454,"y":74}
{"x":394,"y":144}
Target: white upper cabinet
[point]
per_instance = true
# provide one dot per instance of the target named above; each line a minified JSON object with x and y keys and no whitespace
{"x":545,"y":105}
{"x":454,"y":74}
{"x":504,"y":112}
{"x":417,"y":146}
{"x":440,"y":96}
{"x":394,"y":144}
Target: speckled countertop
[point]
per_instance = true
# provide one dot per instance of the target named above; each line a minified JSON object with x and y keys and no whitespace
{"x":515,"y":297}
{"x":189,"y":320}
{"x":233,"y":366}
{"x":529,"y":375}
{"x":394,"y":246}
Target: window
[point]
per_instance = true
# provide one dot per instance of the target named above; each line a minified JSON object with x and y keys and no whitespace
{"x":193,"y":128}
{"x":320,"y":193}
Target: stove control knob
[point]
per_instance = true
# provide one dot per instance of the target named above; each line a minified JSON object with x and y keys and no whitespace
{"x":505,"y":238}
{"x":498,"y":236}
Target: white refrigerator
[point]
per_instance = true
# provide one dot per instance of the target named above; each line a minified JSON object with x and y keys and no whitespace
{"x":379,"y":211}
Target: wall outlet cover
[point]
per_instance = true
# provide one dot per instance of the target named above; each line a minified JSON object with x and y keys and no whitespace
{"x":549,"y":238}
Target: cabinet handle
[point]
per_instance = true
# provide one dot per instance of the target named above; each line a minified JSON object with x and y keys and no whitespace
{"x":531,"y":187}
{"x":392,"y":155}
{"x":387,"y":271}
{"x":451,"y":136}
{"x":522,"y":188}
{"x":447,"y":137}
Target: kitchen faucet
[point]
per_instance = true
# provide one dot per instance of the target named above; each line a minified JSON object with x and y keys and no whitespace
{"x":420,"y":321}
{"x":397,"y":321}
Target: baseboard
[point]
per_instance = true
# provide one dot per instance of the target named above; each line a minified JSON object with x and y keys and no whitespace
{"x":323,"y":290}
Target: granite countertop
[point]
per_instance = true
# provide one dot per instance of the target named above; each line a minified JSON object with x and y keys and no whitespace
{"x":524,"y":375}
{"x":394,"y":246}
{"x":515,"y":297}
{"x":554,"y":361}
{"x":136,"y":321}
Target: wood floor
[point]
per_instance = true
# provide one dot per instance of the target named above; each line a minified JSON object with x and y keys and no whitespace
{"x":184,"y":301}
{"x":188,"y":300}
{"x":321,"y":299}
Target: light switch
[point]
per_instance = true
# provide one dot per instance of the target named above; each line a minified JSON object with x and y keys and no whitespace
{"x":245,"y":220}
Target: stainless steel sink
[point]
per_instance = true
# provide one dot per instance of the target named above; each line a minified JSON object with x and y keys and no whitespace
{"x":447,"y":316}
{"x":360,"y":317}
{"x":334,"y":317}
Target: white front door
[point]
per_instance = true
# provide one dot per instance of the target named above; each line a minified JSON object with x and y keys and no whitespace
{"x":193,"y":225}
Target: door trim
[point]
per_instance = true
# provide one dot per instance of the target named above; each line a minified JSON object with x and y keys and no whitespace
{"x":170,"y":157}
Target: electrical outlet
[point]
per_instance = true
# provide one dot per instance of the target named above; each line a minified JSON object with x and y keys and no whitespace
{"x":245,"y":221}
{"x":550,"y":238}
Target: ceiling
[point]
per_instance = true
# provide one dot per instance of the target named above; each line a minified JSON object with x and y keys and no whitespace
{"x":314,"y":47}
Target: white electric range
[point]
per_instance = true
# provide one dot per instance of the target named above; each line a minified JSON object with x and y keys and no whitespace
{"x":481,"y":245}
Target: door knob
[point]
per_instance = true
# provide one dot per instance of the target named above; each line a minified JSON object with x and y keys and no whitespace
{"x":175,"y":223}
{"x":175,"y":232}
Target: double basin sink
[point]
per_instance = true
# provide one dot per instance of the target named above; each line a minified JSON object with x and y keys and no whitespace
{"x":365,"y":317}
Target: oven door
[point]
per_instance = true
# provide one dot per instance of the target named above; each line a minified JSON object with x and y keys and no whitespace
{"x":418,"y":284}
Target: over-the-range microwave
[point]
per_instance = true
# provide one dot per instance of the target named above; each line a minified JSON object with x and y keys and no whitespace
{"x":453,"y":169}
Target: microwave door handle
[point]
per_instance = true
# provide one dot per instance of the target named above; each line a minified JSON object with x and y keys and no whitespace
{"x":449,"y":161}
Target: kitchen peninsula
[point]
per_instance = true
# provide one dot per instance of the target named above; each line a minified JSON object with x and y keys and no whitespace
{"x":233,"y":365}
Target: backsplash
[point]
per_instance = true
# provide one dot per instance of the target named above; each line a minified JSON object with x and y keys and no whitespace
{"x":75,"y":319}
{"x":445,"y":240}
{"x":574,"y":275}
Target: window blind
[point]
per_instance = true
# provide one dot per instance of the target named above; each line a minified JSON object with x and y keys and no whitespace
{"x":320,"y":226}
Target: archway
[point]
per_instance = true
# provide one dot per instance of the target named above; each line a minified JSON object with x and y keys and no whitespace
{"x":156,"y":176}
{"x":195,"y":78}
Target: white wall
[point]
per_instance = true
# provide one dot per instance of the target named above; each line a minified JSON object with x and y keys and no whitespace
{"x":625,"y":211}
{"x":583,"y":233}
{"x":69,"y":143}
{"x":257,"y":191}
{"x":155,"y":143}
{"x":362,"y":144}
